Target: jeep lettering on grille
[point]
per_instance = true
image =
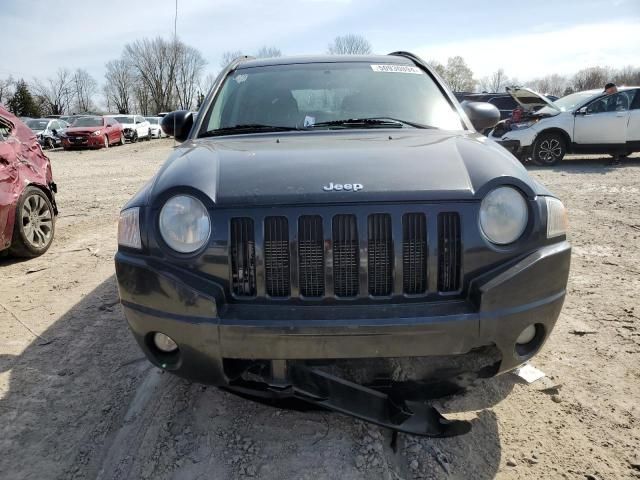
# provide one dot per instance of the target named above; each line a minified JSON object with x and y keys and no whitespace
{"x":339,"y":187}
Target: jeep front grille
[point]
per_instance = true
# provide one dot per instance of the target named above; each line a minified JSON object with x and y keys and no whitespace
{"x":276,"y":256}
{"x":380,"y":249}
{"x":414,"y":253}
{"x":311,"y":256}
{"x":346,"y":256}
{"x":243,"y":257}
{"x":448,"y":252}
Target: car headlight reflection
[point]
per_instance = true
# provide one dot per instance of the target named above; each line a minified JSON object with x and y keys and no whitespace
{"x":503,"y":215}
{"x":185,"y":225}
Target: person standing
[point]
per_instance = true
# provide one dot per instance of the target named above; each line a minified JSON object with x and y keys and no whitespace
{"x":611,"y":89}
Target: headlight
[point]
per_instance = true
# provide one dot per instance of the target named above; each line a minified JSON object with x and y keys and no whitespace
{"x":557,"y":221}
{"x":129,"y":228}
{"x":184,"y":223}
{"x":521,"y":125}
{"x":503,"y":215}
{"x":96,"y":133}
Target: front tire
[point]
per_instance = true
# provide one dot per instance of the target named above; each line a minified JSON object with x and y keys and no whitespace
{"x":106,"y":141}
{"x":548,"y":149}
{"x":49,"y":144}
{"x":34,"y":225}
{"x":122,"y":139}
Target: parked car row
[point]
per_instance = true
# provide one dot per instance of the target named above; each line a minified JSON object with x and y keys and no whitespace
{"x":93,"y":131}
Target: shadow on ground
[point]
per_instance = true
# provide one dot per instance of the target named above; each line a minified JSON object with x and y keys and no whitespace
{"x":88,"y":405}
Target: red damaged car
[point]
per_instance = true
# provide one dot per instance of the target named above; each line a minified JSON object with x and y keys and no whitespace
{"x":93,"y":132}
{"x":27,"y":192}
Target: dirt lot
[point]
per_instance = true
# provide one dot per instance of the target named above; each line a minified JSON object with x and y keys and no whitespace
{"x":79,"y":401}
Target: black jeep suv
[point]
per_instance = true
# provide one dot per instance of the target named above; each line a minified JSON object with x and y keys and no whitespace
{"x":334,"y":228}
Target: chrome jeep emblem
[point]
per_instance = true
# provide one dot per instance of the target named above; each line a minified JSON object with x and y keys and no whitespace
{"x":339,"y":187}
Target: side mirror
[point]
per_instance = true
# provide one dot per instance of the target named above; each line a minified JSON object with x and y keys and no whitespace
{"x":54,"y":131}
{"x":582,"y":111}
{"x":483,"y":115}
{"x":177,"y":124}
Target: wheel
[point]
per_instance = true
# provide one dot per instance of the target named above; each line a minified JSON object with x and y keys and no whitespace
{"x":49,"y":143}
{"x":134,"y":139}
{"x":106,"y":141}
{"x":122,"y":139}
{"x":548,"y":149}
{"x":35,"y":224}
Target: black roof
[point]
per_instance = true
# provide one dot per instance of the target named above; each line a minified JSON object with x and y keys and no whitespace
{"x":261,"y":62}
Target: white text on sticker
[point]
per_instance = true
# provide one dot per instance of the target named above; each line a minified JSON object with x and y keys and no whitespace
{"x":396,"y":69}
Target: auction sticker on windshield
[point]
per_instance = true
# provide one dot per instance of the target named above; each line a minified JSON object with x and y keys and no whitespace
{"x":396,"y":69}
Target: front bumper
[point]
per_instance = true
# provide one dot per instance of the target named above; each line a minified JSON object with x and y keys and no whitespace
{"x":92,"y":141}
{"x":208,"y":331}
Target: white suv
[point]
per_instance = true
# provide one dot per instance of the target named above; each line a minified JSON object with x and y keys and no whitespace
{"x":135,"y":127}
{"x":583,"y":122}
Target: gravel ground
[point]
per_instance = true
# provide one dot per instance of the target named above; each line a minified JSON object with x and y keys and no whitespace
{"x":78,"y":400}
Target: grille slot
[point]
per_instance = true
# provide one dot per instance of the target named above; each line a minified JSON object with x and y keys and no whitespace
{"x":449,"y":250}
{"x":311,"y":256}
{"x":380,"y":255}
{"x":276,"y":256}
{"x":346,"y":279}
{"x":414,"y":253}
{"x":243,"y":257}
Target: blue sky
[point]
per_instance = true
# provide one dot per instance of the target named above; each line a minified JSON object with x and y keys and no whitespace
{"x":527,"y":39}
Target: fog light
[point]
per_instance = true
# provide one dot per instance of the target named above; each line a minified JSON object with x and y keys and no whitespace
{"x":164,"y":343}
{"x":526,"y":335}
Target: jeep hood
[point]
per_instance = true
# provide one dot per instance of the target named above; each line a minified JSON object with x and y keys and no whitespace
{"x":293,"y":168}
{"x":530,"y":100}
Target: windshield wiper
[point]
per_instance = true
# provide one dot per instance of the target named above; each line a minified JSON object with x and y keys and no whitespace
{"x":371,"y":122}
{"x":248,"y":128}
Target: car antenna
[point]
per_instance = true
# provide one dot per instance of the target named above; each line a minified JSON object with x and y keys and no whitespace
{"x":175,"y":43}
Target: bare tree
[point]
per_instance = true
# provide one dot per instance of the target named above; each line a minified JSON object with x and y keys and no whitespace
{"x":438,"y":67}
{"x":592,"y":77}
{"x":268,"y":52}
{"x":494,"y":83}
{"x":230,"y":56}
{"x":188,"y":72}
{"x":349,"y":45}
{"x":56,"y":92}
{"x":154,"y":64}
{"x":458,"y":75}
{"x":84,"y":88}
{"x":628,"y":75}
{"x":549,"y":85}
{"x":143,"y":98}
{"x":119,"y":85}
{"x":7,"y":86}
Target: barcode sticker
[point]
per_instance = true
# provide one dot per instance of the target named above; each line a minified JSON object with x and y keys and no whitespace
{"x":396,"y":69}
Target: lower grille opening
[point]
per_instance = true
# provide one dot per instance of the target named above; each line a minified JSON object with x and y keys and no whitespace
{"x":346,"y":275}
{"x":311,"y":256}
{"x":414,"y":253}
{"x":449,"y":251}
{"x":243,"y":257}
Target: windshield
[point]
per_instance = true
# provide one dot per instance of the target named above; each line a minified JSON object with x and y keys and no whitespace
{"x":568,"y":103}
{"x":88,"y":122}
{"x":37,"y":125}
{"x":124,"y":119}
{"x":301,"y":96}
{"x":152,"y":120}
